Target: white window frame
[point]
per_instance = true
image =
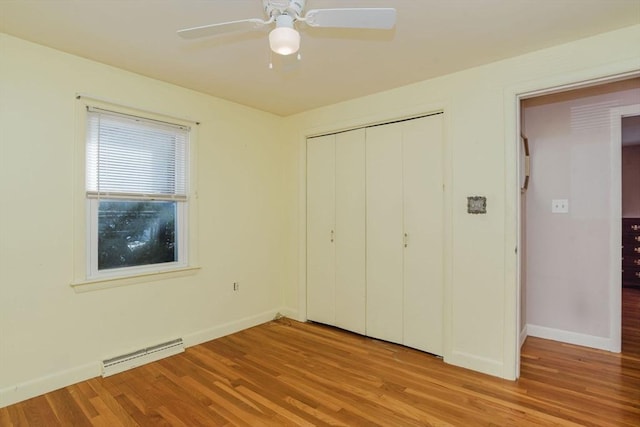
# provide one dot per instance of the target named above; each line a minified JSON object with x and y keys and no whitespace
{"x":92,"y":204}
{"x":92,"y":245}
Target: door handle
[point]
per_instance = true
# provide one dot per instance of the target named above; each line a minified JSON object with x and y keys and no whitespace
{"x":332,"y":235}
{"x":406,"y":240}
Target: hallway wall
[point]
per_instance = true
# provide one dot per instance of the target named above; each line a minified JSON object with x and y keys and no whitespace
{"x":568,"y":262}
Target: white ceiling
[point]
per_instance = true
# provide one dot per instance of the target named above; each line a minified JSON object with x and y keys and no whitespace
{"x":431,"y":38}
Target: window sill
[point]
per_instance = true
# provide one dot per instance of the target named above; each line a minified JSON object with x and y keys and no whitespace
{"x":113,"y":282}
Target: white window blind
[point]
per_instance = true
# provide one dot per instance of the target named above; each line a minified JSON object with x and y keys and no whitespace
{"x":131,"y":157}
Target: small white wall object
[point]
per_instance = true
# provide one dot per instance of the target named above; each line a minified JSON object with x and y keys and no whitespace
{"x":560,"y":206}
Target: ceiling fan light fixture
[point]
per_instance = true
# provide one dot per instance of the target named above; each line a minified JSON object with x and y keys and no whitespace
{"x":284,"y":39}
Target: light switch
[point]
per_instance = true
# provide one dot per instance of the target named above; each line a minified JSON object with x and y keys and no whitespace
{"x":560,"y":206}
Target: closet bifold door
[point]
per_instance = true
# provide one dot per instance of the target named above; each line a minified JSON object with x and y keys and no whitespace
{"x":404,"y":210}
{"x":384,"y":233}
{"x":321,"y":229}
{"x":423,"y":209}
{"x":336,"y":230}
{"x":350,"y":247}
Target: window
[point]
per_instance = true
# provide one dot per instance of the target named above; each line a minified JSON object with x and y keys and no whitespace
{"x":136,"y":189}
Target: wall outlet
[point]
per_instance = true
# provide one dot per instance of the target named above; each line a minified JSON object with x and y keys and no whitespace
{"x":236,"y":286}
{"x":560,"y":206}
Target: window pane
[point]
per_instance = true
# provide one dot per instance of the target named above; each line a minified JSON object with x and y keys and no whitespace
{"x":136,"y":233}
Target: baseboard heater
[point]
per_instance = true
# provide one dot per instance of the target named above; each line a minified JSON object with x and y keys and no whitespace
{"x":122,"y":363}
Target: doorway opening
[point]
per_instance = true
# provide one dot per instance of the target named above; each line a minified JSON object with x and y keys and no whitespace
{"x":571,"y":213}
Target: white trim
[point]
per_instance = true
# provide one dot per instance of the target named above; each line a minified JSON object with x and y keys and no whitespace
{"x":569,"y":337}
{"x":513,"y":95}
{"x":447,"y":294}
{"x":512,"y":186}
{"x":112,"y":282}
{"x":615,"y":226}
{"x":358,"y":122}
{"x":94,"y":274}
{"x":94,"y":194}
{"x":291,"y":313}
{"x":45,"y":384}
{"x":229,"y":328}
{"x":374,"y":119}
{"x":524,"y":333}
{"x":38,"y":386}
{"x":188,"y":242}
{"x":478,"y":364}
{"x":580,"y":84}
{"x":439,"y":107}
{"x":302,"y":227}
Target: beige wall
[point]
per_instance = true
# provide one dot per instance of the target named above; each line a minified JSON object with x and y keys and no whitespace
{"x":568,"y":262}
{"x":631,"y":181}
{"x":481,"y":293}
{"x":49,"y":334}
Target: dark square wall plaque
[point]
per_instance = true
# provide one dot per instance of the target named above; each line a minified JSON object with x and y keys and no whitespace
{"x":477,"y":205}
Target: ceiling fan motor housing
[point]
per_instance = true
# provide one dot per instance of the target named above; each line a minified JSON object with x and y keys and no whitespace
{"x":274,"y":8}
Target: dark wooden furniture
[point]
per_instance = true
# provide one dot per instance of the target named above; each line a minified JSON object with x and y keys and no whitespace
{"x":631,"y":252}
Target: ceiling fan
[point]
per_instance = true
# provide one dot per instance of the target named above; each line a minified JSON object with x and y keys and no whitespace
{"x":284,"y":39}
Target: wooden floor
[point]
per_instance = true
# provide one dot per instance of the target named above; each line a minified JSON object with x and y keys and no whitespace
{"x":290,"y":373}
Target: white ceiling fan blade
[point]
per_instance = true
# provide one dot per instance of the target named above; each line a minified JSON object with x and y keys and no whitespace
{"x":222,"y":28}
{"x":370,"y":18}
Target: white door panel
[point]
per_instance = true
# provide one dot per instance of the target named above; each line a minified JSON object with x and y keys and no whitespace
{"x":423,"y":224}
{"x":350,"y":231}
{"x":320,"y":224}
{"x":375,"y":231}
{"x":384,"y":233}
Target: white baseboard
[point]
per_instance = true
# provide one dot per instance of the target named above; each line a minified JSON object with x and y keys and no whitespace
{"x":524,"y":333}
{"x":47,"y":383}
{"x":570,"y":337}
{"x":476,"y":363}
{"x":37,"y":386}
{"x":291,"y":313}
{"x":228,"y":328}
